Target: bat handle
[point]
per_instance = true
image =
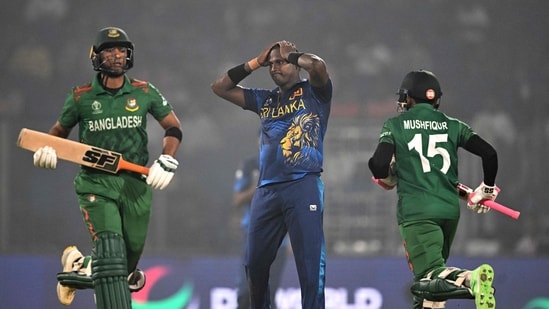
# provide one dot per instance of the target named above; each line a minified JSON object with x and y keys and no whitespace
{"x":128,"y":166}
{"x":465,"y":191}
{"x":503,"y":209}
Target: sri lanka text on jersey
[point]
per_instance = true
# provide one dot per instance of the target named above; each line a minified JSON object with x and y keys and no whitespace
{"x":424,"y":125}
{"x":279,"y":111}
{"x":113,"y":123}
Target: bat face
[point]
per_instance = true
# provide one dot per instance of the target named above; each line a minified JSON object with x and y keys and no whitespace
{"x":86,"y":155}
{"x":94,"y":157}
{"x":102,"y":159}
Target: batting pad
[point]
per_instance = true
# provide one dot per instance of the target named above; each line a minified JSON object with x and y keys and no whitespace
{"x":110,"y":271}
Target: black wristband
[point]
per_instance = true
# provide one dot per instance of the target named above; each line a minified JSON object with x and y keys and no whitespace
{"x":292,"y":58}
{"x":174,"y":132}
{"x":238,"y":73}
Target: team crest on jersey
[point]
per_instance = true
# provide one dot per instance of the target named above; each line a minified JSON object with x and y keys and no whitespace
{"x":297,"y":93}
{"x":96,"y":107}
{"x":131,"y":105}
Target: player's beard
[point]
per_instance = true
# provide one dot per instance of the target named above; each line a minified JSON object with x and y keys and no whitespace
{"x":115,"y":71}
{"x":111,"y":73}
{"x":280,"y":79}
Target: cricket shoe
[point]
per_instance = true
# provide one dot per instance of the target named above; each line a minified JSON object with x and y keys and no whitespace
{"x":136,"y":280}
{"x":65,"y":294}
{"x":482,"y":279}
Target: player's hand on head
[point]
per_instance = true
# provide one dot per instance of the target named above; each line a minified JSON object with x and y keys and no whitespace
{"x":45,"y":157}
{"x":263,"y":57}
{"x":481,"y":193}
{"x":286,"y":48}
{"x":162,"y":172}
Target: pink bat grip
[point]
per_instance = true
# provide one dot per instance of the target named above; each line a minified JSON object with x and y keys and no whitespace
{"x":501,"y":208}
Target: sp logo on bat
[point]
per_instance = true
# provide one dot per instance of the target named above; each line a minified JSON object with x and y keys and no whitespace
{"x":102,"y":159}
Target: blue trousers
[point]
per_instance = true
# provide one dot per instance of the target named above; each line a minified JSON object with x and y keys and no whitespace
{"x":296,"y":208}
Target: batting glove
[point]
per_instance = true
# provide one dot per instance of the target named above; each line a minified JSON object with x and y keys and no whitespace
{"x":481,"y":193}
{"x":45,"y":157}
{"x":388,"y":183}
{"x":162,"y":171}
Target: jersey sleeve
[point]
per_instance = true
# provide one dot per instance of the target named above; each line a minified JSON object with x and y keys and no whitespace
{"x":160,"y":107}
{"x":68,"y":118}
{"x":465,"y":133}
{"x":254,"y":98}
{"x":386,"y":135}
{"x":324,"y":93}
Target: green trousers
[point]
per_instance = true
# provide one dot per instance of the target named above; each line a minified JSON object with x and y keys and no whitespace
{"x":427,"y":244}
{"x":119,"y":204}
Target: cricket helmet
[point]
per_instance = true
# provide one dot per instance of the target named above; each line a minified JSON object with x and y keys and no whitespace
{"x":111,"y":37}
{"x":421,"y":85}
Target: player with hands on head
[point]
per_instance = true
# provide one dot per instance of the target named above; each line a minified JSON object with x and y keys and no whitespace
{"x":111,"y":113}
{"x":424,"y":143}
{"x":289,"y":197}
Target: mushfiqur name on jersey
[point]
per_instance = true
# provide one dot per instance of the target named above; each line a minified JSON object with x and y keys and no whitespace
{"x":416,"y":124}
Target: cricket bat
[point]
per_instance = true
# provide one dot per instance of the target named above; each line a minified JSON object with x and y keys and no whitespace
{"x":464,"y":192}
{"x":69,"y":150}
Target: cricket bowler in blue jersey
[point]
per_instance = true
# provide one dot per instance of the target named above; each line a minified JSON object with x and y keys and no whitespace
{"x":290,"y":194}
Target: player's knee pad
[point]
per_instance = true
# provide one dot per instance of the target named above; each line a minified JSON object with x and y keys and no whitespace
{"x":441,"y":288}
{"x":110,"y":271}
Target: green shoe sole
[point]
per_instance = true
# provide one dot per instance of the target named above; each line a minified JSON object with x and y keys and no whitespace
{"x":481,"y":284}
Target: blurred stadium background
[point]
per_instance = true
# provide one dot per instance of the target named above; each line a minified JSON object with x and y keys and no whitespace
{"x":490,"y":56}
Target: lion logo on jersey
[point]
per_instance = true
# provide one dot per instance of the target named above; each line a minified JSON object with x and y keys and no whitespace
{"x":300,"y":145}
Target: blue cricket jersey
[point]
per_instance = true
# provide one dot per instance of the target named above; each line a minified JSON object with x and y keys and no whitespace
{"x":293,"y":129}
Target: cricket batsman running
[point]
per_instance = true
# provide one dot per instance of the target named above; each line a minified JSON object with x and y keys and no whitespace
{"x":111,"y":113}
{"x":418,"y":153}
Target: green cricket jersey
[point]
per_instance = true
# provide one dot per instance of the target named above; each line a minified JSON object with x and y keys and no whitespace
{"x":426,"y":145}
{"x":118,"y":121}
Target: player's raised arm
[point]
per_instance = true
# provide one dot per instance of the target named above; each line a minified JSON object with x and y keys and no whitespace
{"x":226,"y":86}
{"x":313,"y":64}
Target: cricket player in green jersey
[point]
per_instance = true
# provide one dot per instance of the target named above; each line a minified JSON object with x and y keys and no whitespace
{"x":111,"y":113}
{"x":418,"y":153}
